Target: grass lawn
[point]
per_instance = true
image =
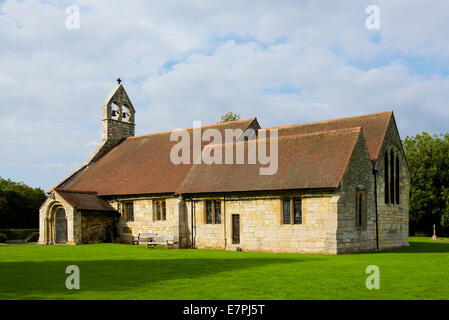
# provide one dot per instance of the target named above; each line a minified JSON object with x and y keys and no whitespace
{"x":116,"y":271}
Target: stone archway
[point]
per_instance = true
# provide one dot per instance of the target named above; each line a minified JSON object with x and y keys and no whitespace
{"x":60,"y":225}
{"x":55,"y":228}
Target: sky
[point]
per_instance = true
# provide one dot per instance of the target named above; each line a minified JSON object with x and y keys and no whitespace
{"x":285,"y":62}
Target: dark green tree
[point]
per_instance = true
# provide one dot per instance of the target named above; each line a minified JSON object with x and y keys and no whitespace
{"x":428,"y":161}
{"x":19,"y":205}
{"x":230,"y":116}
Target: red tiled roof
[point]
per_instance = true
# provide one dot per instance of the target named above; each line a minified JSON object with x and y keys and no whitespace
{"x":306,"y":161}
{"x":141,"y":165}
{"x":374,"y":128}
{"x":311,"y":155}
{"x":84,"y":200}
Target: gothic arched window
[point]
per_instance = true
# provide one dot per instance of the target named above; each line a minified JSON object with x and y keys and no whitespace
{"x":386,"y":178}
{"x":397,"y":179}
{"x":392,"y":193}
{"x":391,"y":175}
{"x":360,"y":209}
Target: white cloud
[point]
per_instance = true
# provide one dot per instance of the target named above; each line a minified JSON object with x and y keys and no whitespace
{"x":185,"y":61}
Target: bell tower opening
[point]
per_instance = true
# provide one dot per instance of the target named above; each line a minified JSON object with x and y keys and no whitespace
{"x":118,"y":115}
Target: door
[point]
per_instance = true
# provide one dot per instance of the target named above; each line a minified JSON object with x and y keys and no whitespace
{"x":235,"y":229}
{"x":61,"y":226}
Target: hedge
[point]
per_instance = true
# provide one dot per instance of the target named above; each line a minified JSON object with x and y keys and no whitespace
{"x":3,"y":238}
{"x":18,"y":234}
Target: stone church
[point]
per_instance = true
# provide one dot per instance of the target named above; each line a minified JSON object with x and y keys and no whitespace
{"x":341,"y":186}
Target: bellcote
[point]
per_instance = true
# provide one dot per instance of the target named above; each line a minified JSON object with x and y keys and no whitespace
{"x":118,"y":114}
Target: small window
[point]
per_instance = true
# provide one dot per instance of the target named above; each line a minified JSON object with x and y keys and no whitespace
{"x":360,"y":209}
{"x":160,"y":210}
{"x":129,"y":211}
{"x":286,"y":216}
{"x":209,"y":212}
{"x":213,"y":211}
{"x":289,"y":206}
{"x":297,"y":208}
{"x":217,"y":211}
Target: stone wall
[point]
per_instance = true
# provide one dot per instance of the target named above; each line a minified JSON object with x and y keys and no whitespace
{"x":261,"y":227}
{"x":116,"y":130}
{"x":97,"y":227}
{"x":357,"y":178}
{"x":145,"y":220}
{"x":393,"y":218}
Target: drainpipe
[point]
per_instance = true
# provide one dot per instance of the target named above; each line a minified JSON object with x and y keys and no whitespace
{"x":224,"y":220}
{"x":375,"y":206}
{"x":191,"y":223}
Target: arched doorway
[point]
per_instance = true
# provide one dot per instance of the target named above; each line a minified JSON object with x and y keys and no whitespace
{"x":60,"y":226}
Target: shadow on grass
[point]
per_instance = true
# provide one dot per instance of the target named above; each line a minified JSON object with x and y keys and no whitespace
{"x":40,"y":280}
{"x":417,"y":246}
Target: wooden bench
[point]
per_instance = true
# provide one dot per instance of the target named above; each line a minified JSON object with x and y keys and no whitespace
{"x":143,"y":237}
{"x":162,"y":241}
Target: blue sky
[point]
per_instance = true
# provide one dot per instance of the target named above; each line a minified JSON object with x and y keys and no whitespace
{"x":180,"y":61}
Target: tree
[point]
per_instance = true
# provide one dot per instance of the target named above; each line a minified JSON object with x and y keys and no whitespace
{"x":230,"y":116}
{"x":428,"y":161}
{"x":19,"y":205}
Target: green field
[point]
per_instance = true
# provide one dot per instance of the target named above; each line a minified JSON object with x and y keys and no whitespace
{"x":116,"y":271}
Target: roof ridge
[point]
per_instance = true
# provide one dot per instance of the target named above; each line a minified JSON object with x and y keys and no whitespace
{"x":190,"y":128}
{"x":295,"y":135}
{"x":357,"y":128}
{"x":331,"y":120}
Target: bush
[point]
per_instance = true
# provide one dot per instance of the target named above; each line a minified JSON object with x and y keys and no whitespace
{"x":19,"y":205}
{"x":3,"y":238}
{"x":17,"y":234}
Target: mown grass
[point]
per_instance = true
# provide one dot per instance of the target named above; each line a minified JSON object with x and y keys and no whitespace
{"x":116,"y":271}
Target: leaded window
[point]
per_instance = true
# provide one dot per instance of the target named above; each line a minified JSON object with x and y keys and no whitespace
{"x":129,"y":208}
{"x":297,"y":209}
{"x":391,"y":177}
{"x":217,"y":211}
{"x":286,"y":210}
{"x":213,"y":211}
{"x":160,"y":210}
{"x":292,"y":211}
{"x":360,"y":209}
{"x":209,"y":213}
